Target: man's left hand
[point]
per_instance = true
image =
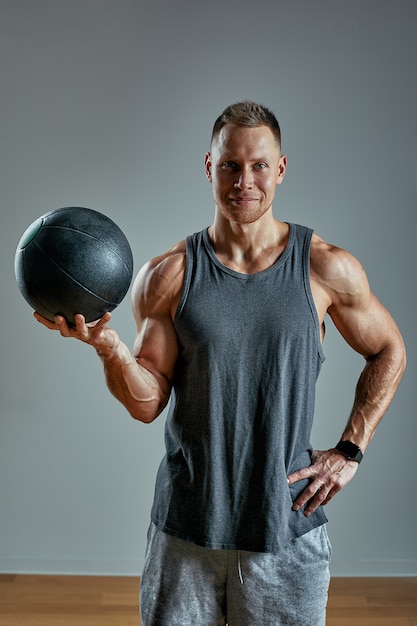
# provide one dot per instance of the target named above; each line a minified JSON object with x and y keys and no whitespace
{"x":329,"y":472}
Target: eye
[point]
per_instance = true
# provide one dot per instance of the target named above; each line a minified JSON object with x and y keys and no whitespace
{"x":261,"y":166}
{"x":229,"y":165}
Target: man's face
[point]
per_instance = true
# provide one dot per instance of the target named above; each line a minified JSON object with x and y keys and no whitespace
{"x":244,"y":167}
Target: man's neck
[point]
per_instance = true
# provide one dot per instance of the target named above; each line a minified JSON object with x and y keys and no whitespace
{"x":249,"y":248}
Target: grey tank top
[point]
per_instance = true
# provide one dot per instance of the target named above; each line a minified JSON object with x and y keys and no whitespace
{"x":242,"y":402}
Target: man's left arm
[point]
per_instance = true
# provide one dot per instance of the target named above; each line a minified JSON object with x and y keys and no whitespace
{"x":370,"y":330}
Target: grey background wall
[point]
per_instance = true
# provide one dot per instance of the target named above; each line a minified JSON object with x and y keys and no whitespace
{"x":109,"y":104}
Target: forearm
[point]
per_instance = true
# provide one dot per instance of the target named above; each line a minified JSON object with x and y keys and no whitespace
{"x":330,"y":470}
{"x":374,"y":392}
{"x":143,"y":393}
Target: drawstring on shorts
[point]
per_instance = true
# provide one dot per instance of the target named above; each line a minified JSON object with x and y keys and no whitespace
{"x":239,"y":567}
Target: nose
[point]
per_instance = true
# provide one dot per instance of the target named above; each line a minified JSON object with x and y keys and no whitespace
{"x":245,"y":180}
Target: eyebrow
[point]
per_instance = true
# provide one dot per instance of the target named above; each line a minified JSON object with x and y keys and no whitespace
{"x":257,"y":159}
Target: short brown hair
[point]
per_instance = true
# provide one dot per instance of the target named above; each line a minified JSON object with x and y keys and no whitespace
{"x":247,"y":113}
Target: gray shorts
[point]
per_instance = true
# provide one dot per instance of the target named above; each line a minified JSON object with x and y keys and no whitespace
{"x":184,"y":584}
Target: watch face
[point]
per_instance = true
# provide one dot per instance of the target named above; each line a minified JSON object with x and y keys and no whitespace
{"x":349,"y":449}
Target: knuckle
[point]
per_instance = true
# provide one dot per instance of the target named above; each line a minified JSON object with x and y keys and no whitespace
{"x":322,"y":496}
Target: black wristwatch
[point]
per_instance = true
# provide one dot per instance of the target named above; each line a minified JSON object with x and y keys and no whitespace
{"x":350,"y":450}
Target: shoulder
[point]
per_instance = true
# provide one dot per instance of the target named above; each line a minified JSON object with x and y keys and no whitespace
{"x":159,"y":281}
{"x":341,"y":282}
{"x":166,"y":265}
{"x":338,"y":272}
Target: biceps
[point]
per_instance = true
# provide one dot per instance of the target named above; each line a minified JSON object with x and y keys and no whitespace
{"x":365,"y":324}
{"x":156,"y":346}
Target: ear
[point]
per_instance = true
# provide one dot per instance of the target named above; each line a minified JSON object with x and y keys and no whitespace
{"x":207,"y":165}
{"x":282,"y":168}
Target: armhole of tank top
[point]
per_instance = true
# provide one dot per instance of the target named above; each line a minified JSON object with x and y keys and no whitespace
{"x":309,"y":293}
{"x":189,"y":258}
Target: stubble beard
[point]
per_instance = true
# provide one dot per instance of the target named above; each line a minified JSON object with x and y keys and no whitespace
{"x":244,"y":216}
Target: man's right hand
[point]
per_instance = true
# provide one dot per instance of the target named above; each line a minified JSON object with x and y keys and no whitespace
{"x":97,"y":334}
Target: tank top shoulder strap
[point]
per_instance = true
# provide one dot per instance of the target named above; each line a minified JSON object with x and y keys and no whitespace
{"x":192,"y":243}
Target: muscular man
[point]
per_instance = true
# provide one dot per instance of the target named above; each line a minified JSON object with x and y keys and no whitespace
{"x":230,"y":324}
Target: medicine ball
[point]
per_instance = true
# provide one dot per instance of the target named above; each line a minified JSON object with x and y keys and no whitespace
{"x":73,"y":260}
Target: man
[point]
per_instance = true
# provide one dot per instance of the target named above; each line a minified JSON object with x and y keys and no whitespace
{"x":230,"y":324}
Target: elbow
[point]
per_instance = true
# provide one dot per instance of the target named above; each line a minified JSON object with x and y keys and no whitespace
{"x":393,"y":356}
{"x":146,"y":412}
{"x":398,"y":356}
{"x":403,"y":358}
{"x":140,"y":417}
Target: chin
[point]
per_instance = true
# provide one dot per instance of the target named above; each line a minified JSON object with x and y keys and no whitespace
{"x":250,"y":217}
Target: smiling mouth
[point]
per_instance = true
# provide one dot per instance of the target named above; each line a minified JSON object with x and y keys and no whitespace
{"x":243,"y":199}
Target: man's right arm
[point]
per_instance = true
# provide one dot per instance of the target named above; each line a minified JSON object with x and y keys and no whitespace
{"x":141,"y":380}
